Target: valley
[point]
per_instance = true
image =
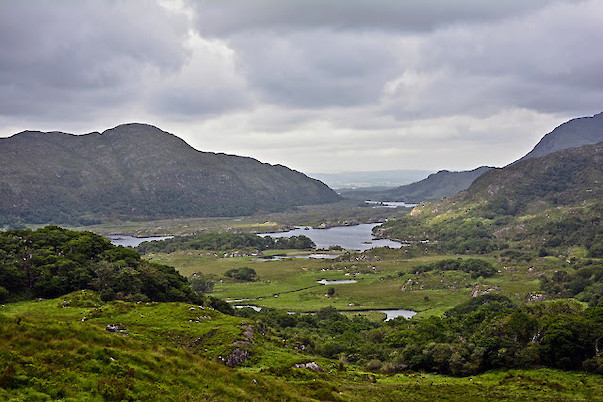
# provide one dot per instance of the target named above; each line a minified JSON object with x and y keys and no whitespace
{"x":501,"y":286}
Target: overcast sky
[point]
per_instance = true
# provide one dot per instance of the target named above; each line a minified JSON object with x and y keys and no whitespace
{"x":317,"y":85}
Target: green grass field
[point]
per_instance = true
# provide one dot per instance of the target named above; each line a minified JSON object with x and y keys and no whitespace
{"x":382,"y":282}
{"x":170,"y":352}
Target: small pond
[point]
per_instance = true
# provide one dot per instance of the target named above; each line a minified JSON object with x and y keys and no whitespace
{"x":340,"y":282}
{"x":130,"y":241}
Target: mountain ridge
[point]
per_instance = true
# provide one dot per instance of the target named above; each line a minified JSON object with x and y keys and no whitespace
{"x":571,"y":134}
{"x":550,"y":201}
{"x":138,"y":171}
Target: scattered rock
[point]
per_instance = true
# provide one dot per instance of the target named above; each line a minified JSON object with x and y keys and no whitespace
{"x":236,"y":358}
{"x":310,"y":366}
{"x":115,"y":328}
{"x":535,"y":297}
{"x":479,"y":290}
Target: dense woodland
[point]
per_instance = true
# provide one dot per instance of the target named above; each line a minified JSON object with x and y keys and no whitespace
{"x":53,"y":261}
{"x":487,"y":332}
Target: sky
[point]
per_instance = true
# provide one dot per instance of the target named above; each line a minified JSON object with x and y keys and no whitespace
{"x":320,"y":86}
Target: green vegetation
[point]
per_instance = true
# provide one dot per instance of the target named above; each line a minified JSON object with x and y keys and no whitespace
{"x":551,"y":203}
{"x":226,"y":242}
{"x":473,"y":266}
{"x":138,"y":172}
{"x":506,"y":280}
{"x":201,"y":283}
{"x":53,"y":261}
{"x":584,"y":282}
{"x":485,"y":333}
{"x":245,"y":274}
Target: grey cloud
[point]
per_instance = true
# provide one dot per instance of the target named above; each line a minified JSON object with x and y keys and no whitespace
{"x":316,"y":69}
{"x":226,"y":17}
{"x":56,"y":55}
{"x":544,"y":61}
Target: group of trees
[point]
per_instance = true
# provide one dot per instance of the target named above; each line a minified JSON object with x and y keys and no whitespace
{"x":244,"y":274}
{"x":584,"y":281}
{"x":53,"y":261}
{"x":487,"y":332}
{"x":226,"y":242}
{"x":474,"y":266}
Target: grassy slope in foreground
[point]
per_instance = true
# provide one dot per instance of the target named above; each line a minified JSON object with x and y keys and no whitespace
{"x":48,"y":352}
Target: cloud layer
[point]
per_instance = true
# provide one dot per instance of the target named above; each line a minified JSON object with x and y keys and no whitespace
{"x":316,"y":85}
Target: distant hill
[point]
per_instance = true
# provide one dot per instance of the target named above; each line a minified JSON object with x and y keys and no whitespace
{"x":364,"y":180}
{"x":551,"y":201}
{"x":571,"y":134}
{"x":137,"y":172}
{"x":435,"y":186}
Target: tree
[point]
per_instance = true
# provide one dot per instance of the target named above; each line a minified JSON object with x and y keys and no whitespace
{"x":243,"y":274}
{"x":201,"y":283}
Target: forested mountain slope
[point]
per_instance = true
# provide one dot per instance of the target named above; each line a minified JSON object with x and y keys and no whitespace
{"x":548,"y":202}
{"x":137,"y":171}
{"x":436,"y":185}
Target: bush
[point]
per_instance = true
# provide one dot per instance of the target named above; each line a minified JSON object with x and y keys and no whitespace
{"x":3,"y":294}
{"x":201,"y":283}
{"x":242,"y":274}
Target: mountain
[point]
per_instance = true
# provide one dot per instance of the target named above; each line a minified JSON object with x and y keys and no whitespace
{"x":137,"y":172}
{"x":571,"y":134}
{"x":552,"y":201}
{"x":435,"y":186}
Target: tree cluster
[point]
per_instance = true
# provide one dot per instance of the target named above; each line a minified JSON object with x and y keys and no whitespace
{"x":226,"y":242}
{"x":53,"y":261}
{"x":487,"y":332}
{"x":245,"y":274}
{"x":583,"y":281}
{"x":474,"y":266}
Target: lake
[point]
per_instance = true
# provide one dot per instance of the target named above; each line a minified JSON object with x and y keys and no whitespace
{"x":130,"y":241}
{"x":358,"y":237}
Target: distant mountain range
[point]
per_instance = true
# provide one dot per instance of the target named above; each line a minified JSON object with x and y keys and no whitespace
{"x":436,"y":185}
{"x":137,"y":172}
{"x":574,"y":133}
{"x":364,"y":179}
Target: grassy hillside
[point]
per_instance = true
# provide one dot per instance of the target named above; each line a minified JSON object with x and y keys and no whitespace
{"x":167,"y":352}
{"x":137,"y":172}
{"x":549,"y":202}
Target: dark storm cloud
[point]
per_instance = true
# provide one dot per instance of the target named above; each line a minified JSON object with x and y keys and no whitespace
{"x":226,"y":17}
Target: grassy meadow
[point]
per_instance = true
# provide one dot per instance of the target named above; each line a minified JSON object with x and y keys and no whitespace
{"x":59,"y":349}
{"x":385,"y":280}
